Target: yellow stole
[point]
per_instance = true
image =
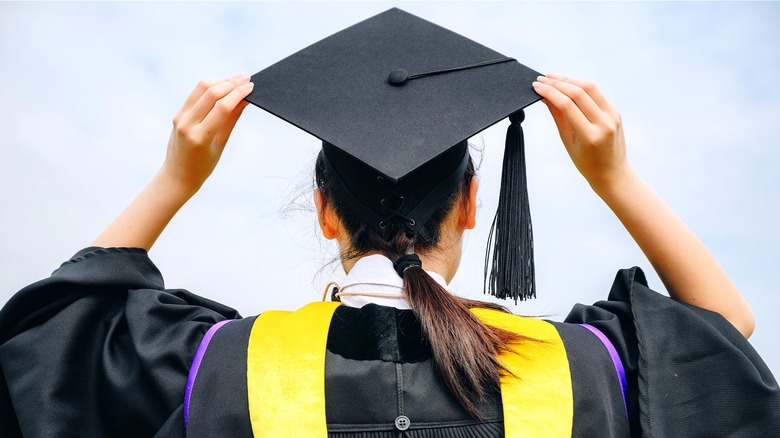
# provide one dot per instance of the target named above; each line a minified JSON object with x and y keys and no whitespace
{"x":286,"y":375}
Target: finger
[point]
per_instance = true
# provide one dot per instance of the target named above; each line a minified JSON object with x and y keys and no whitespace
{"x":223,"y":108}
{"x":197,"y":92}
{"x":578,"y":123}
{"x":227,"y":128}
{"x":564,"y":129}
{"x":584,"y":101}
{"x":590,"y":88}
{"x":209,"y":98}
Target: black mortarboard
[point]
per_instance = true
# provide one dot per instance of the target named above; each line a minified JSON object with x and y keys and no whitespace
{"x":394,"y":99}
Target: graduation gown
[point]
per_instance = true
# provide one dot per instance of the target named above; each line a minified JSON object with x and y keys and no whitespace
{"x":101,"y":348}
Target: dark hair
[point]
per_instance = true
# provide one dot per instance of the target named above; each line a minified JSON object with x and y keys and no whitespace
{"x":464,"y":348}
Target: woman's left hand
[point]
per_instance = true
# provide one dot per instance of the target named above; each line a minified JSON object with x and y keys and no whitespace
{"x":201,"y":129}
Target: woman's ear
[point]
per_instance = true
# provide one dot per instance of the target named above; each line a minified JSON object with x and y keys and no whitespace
{"x":327,"y":218}
{"x":469,"y":218}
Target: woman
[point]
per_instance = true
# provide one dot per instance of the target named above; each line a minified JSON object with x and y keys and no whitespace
{"x":102,"y":349}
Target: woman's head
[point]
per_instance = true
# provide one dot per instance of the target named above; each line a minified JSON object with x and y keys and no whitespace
{"x":426,"y":212}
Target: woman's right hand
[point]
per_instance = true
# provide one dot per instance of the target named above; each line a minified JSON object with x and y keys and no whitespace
{"x":590,"y":127}
{"x":201,"y":129}
{"x":592,"y":133}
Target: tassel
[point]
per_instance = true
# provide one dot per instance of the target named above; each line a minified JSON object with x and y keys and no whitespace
{"x":510,"y":271}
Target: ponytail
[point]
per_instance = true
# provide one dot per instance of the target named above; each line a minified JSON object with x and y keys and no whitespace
{"x":464,"y":349}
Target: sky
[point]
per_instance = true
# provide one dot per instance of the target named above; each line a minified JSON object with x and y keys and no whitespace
{"x":88,"y":91}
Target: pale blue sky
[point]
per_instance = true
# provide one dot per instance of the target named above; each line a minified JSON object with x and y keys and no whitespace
{"x":88,"y":91}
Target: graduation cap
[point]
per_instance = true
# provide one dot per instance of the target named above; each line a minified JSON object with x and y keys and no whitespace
{"x":394,"y":100}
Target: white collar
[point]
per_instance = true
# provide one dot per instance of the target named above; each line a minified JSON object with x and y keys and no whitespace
{"x":375,"y":274}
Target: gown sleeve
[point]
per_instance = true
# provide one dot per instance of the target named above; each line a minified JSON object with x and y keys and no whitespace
{"x":690,"y":372}
{"x":100,"y":348}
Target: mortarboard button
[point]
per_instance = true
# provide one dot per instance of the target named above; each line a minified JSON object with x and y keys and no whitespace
{"x":398,"y":77}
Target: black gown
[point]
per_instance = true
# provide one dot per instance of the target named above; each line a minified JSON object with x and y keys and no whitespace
{"x":100,"y":348}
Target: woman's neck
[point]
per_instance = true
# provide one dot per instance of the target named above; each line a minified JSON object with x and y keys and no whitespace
{"x":433,"y":261}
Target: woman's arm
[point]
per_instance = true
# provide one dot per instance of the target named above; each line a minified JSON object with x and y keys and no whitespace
{"x":592,"y":131}
{"x":201,"y":129}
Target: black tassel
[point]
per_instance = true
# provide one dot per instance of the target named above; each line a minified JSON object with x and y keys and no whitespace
{"x":510,"y":272}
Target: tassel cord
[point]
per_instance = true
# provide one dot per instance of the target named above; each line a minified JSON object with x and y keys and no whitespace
{"x":511,"y":267}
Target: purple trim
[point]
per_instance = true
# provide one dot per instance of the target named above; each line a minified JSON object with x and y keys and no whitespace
{"x":204,"y":344}
{"x":621,"y":372}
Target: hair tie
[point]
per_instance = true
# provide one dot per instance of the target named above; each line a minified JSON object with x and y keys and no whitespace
{"x":405,"y":262}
